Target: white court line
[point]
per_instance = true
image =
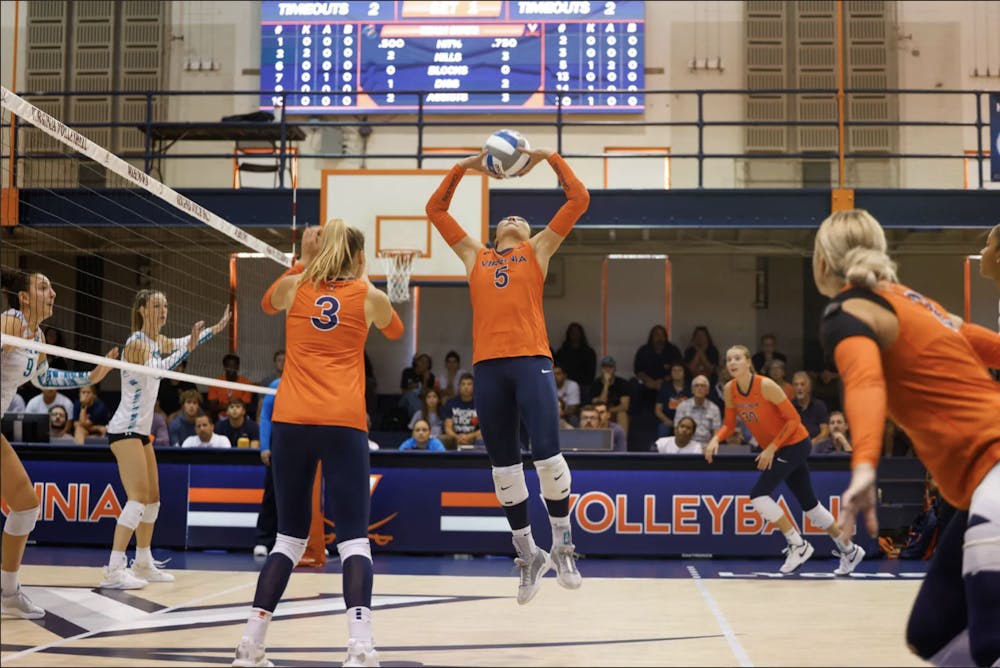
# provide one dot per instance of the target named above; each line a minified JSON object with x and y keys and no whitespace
{"x":727,"y":630}
{"x":81,"y":636}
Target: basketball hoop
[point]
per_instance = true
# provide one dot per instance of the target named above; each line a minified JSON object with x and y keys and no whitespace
{"x":398,"y":263}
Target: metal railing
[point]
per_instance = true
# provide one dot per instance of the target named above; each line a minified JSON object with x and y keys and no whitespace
{"x":690,"y":130}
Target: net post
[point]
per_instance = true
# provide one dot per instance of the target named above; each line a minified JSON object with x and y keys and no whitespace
{"x":604,"y":307}
{"x":667,"y":306}
{"x":967,"y":288}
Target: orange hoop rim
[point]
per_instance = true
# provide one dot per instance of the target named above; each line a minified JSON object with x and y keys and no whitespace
{"x":399,"y":252}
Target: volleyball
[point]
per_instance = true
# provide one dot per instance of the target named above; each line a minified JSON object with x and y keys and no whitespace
{"x":504,"y":153}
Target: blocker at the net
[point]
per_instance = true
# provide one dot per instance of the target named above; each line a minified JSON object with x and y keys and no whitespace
{"x":398,"y":263}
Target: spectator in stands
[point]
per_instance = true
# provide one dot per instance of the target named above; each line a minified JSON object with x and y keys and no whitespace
{"x":576,"y":357}
{"x":278,"y":359}
{"x":654,"y":358}
{"x":702,"y":357}
{"x":613,"y":389}
{"x":182,"y":426}
{"x":430,"y":411}
{"x":43,"y":403}
{"x":768,"y":351}
{"x":895,"y":442}
{"x":421,"y":439}
{"x":839,"y":442}
{"x":704,"y":413}
{"x":674,"y":390}
{"x":17,"y":404}
{"x":563,"y":424}
{"x":53,"y":337}
{"x":161,"y":434}
{"x":237,"y":427}
{"x":652,"y":363}
{"x":168,"y":397}
{"x":461,"y":423}
{"x":448,"y":379}
{"x":568,"y":391}
{"x":90,"y":415}
{"x":826,"y":386}
{"x":589,"y":418}
{"x":59,"y":426}
{"x":204,"y":436}
{"x":414,"y":381}
{"x":815,"y":417}
{"x":604,"y":422}
{"x":775,"y":370}
{"x":682,"y":442}
{"x":218,"y":397}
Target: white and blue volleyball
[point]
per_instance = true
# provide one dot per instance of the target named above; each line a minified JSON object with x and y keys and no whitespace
{"x":504,"y":153}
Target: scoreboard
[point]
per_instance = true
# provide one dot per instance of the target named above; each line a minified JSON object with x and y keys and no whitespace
{"x":460,"y":56}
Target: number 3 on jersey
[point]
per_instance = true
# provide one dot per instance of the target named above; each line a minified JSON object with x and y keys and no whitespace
{"x":500,"y":277}
{"x":327,"y":319}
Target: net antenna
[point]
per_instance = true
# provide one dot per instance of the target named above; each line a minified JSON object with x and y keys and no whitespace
{"x":398,"y":264}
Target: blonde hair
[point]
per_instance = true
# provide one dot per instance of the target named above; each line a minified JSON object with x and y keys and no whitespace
{"x":853,"y":244}
{"x":995,"y":235}
{"x":141,"y":299}
{"x":746,"y":353}
{"x":338,"y":243}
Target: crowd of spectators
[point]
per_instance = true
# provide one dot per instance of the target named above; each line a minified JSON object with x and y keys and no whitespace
{"x":671,"y":403}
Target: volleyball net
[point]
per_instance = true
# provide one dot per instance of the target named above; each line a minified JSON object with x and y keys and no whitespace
{"x":102,"y":230}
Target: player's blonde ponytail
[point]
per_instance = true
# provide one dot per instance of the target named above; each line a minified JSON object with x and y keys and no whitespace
{"x":338,"y":247}
{"x":854,"y":247}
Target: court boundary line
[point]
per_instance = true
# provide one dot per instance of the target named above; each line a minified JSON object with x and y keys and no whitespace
{"x":727,"y":630}
{"x":81,"y":636}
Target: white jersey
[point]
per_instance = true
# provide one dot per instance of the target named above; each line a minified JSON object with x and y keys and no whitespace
{"x":139,"y":390}
{"x":19,"y":365}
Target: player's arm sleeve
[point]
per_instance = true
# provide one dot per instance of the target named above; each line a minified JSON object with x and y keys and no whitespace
{"x":855,"y":350}
{"x":266,"y":410}
{"x":49,"y":379}
{"x":985,"y":342}
{"x":791,"y":420}
{"x":437,"y":207}
{"x":394,"y":329}
{"x":577,"y":197}
{"x":265,"y":301}
{"x":728,"y":425}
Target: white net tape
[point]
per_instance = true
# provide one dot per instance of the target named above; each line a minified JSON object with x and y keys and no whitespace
{"x":398,"y":266}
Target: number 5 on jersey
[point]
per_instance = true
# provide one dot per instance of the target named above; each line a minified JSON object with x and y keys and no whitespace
{"x":500,"y":277}
{"x":327,"y":319}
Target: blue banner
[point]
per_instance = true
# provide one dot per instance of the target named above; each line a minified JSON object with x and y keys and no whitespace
{"x":446,"y":509}
{"x":995,"y":136}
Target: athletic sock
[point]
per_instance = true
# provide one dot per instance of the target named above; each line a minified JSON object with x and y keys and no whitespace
{"x":524,"y":543}
{"x":793,"y":538}
{"x":8,"y":583}
{"x":256,"y":628}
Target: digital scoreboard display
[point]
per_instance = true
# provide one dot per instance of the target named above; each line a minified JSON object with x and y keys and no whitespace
{"x":462,"y":56}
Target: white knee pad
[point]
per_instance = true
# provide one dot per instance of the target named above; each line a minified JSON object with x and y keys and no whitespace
{"x":131,"y":514}
{"x":151,"y":513}
{"x":820,"y":516}
{"x":554,"y":477}
{"x":356,"y":547}
{"x":767,"y":508}
{"x":509,"y":484}
{"x":21,"y":522}
{"x":981,"y":551}
{"x":291,"y":547}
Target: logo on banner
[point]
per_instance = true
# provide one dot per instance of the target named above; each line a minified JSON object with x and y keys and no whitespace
{"x":379,"y":539}
{"x":80,"y":503}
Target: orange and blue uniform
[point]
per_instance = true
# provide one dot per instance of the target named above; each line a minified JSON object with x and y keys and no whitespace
{"x":323,"y":382}
{"x":932,"y":381}
{"x":777,"y":424}
{"x":510,"y":345}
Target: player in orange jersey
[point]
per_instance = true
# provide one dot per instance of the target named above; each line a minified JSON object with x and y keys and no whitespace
{"x":513,"y":364}
{"x":319,"y":415}
{"x":901,"y":353}
{"x":766,"y":411}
